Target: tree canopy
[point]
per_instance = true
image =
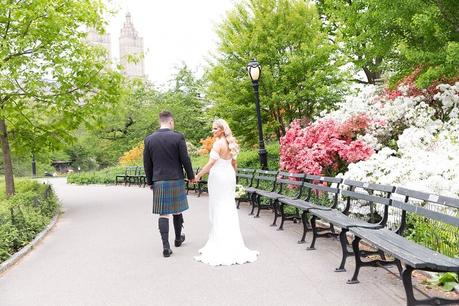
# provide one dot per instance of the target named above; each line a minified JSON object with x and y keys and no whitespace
{"x":300,"y":68}
{"x":51,"y":80}
{"x":396,"y":37}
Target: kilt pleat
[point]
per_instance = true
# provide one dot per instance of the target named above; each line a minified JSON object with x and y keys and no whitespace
{"x":169,"y":197}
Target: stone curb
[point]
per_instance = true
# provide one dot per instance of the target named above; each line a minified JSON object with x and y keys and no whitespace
{"x":29,"y":247}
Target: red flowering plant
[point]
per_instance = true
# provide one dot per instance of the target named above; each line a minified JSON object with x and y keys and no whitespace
{"x":324,"y":147}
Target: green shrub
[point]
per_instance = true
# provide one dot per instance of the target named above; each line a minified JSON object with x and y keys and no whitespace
{"x":443,"y":238}
{"x":105,"y":176}
{"x":246,"y":159}
{"x":25,"y":215}
{"x":199,"y":161}
{"x":251,"y":158}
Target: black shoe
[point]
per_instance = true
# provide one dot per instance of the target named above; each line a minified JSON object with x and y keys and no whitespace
{"x":167,"y":252}
{"x":180,"y":241}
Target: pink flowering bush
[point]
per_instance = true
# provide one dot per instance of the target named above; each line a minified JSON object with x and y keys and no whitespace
{"x":324,"y":147}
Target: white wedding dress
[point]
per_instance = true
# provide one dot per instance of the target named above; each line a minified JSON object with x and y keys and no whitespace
{"x":225,"y":245}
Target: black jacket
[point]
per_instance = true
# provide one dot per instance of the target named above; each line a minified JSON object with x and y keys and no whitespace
{"x":164,"y":155}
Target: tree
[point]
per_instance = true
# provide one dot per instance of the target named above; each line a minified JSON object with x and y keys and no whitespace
{"x":136,"y":116}
{"x":51,"y":80}
{"x":300,"y":75}
{"x":397,"y":37}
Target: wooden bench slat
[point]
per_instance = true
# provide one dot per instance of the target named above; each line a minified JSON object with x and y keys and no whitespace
{"x":439,"y":199}
{"x":372,"y":186}
{"x":443,"y":217}
{"x":327,"y":179}
{"x":302,"y":204}
{"x":321,"y":188}
{"x":408,"y":251}
{"x":341,"y":220}
{"x":290,"y":182}
{"x":367,"y":197}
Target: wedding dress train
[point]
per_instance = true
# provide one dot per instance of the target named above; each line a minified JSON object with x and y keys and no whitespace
{"x":225,"y":245}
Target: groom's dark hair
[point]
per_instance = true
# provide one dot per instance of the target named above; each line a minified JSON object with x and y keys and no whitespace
{"x":165,"y":116}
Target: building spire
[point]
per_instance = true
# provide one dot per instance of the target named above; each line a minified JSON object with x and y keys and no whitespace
{"x":131,"y":44}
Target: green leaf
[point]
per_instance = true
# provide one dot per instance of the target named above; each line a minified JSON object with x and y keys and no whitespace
{"x":449,"y":286}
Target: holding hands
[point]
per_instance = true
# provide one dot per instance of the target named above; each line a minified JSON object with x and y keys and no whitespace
{"x":196,"y":179}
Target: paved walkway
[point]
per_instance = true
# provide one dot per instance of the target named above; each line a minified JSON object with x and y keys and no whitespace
{"x":106,"y":250}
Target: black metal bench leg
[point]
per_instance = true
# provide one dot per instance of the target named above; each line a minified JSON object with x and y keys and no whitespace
{"x":346,"y":253}
{"x":238,"y":202}
{"x":275,"y":209}
{"x":297,"y":213}
{"x":408,"y":285}
{"x":315,"y":233}
{"x":258,"y":206}
{"x":305,"y":226}
{"x":358,"y":261}
{"x":281,"y":208}
{"x":399,"y":267}
{"x":411,"y":300}
{"x":252,"y":201}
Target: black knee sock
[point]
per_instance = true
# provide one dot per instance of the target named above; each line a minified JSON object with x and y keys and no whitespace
{"x":163,"y":224}
{"x":178,"y":221}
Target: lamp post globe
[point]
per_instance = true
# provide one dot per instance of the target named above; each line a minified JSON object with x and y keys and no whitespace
{"x":254,"y":71}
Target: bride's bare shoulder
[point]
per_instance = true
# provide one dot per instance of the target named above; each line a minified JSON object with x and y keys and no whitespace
{"x":217,"y":146}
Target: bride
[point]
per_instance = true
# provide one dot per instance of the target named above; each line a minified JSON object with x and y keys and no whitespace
{"x":225,"y":245}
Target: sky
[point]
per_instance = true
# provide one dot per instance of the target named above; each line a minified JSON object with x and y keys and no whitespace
{"x":174,"y":32}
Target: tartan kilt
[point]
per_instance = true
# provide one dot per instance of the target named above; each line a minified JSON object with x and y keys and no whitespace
{"x":169,"y":197}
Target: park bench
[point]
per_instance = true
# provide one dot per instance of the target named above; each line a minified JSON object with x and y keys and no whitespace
{"x":244,"y":177}
{"x":320,"y":195}
{"x":373,"y":198}
{"x":198,"y":187}
{"x":442,"y":216}
{"x":288,"y":185}
{"x":188,"y":185}
{"x":139,"y":178}
{"x":129,"y":171}
{"x":202,"y":186}
{"x":265,"y":181}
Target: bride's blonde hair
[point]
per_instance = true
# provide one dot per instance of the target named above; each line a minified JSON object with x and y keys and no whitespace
{"x":232,"y":142}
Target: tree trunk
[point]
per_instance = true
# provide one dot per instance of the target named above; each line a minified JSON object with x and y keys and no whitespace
{"x":371,"y":76}
{"x":7,"y":163}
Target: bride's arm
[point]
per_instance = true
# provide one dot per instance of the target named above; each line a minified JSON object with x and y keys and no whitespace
{"x":205,"y":169}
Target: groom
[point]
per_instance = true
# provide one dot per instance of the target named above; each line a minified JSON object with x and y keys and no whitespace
{"x":164,"y":155}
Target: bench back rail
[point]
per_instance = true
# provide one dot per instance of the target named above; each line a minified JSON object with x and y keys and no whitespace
{"x":290,"y":184}
{"x":245,"y":176}
{"x":435,"y":217}
{"x":322,"y":190}
{"x":265,"y":179}
{"x":367,"y":201}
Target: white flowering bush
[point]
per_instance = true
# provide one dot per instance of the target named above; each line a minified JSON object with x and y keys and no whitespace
{"x":240,"y":191}
{"x":416,"y":138}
